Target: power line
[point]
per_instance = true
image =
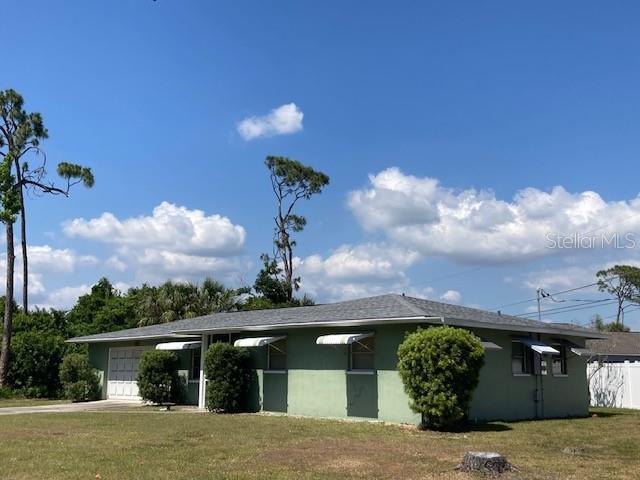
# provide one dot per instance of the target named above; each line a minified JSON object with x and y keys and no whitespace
{"x":570,"y":309}
{"x":551,"y":294}
{"x":591,"y":304}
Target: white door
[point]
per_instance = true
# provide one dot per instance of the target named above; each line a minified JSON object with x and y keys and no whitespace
{"x":123,"y":371}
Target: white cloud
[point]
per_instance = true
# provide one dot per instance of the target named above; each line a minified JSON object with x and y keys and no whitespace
{"x":115,"y":263}
{"x":284,"y":120}
{"x":353,"y":271}
{"x":571,"y":276}
{"x":63,"y":298}
{"x":170,"y":227}
{"x":44,"y":257}
{"x":174,"y":242}
{"x":476,"y":227}
{"x":451,"y":296}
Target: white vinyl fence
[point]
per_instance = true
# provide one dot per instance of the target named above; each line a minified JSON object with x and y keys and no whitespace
{"x":614,"y":384}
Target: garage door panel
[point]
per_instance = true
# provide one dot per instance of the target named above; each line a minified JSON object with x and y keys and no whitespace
{"x":123,"y":371}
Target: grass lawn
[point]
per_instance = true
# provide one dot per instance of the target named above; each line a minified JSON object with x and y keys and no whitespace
{"x":182,"y":445}
{"x":27,"y":402}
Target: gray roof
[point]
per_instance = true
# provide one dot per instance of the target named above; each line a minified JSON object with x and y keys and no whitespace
{"x":616,"y":343}
{"x":380,"y":309}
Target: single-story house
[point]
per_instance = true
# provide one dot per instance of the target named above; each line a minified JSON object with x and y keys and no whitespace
{"x":339,"y":359}
{"x":613,"y":370}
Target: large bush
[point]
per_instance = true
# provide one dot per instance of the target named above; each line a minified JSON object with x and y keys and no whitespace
{"x":440,"y":367}
{"x":35,"y":363}
{"x":227,"y":370}
{"x":80,"y":381}
{"x":158,"y":379}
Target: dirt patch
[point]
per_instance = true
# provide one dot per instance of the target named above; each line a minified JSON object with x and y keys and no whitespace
{"x":357,"y":458}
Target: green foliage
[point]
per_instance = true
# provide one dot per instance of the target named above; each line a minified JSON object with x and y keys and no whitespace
{"x":296,"y":178}
{"x":623,"y":282}
{"x":73,"y":171}
{"x":79,"y":380}
{"x":440,"y":367}
{"x":291,"y":181}
{"x":20,"y":132}
{"x":104,"y":309}
{"x":598,"y":323}
{"x":174,"y":301}
{"x":227,"y":371}
{"x":6,"y":392}
{"x":36,"y":358}
{"x":158,"y":379}
{"x":268,"y":282}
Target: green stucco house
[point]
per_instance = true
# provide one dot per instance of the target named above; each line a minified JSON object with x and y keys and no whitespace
{"x":339,"y":360}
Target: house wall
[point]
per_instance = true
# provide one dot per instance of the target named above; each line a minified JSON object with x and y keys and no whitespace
{"x":317,"y":382}
{"x":99,"y":359}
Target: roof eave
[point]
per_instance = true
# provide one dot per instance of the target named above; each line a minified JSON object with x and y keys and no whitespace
{"x":124,"y":339}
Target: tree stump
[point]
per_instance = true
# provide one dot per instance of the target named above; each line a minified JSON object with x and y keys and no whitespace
{"x":484,"y":462}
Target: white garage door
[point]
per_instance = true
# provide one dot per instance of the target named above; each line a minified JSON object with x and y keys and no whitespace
{"x":123,"y":370}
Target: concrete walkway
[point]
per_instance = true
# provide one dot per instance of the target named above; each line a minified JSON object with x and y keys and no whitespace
{"x":71,"y":407}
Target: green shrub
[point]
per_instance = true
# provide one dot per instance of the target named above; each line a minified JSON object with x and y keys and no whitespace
{"x":158,"y":380}
{"x":35,"y":363}
{"x":228,"y":374}
{"x":6,"y":392}
{"x":440,"y":367}
{"x":80,"y":381}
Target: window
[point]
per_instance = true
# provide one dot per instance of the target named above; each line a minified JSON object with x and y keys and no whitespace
{"x":559,"y":365}
{"x":194,"y":372}
{"x":362,"y":354}
{"x":277,"y":355}
{"x":521,"y":359}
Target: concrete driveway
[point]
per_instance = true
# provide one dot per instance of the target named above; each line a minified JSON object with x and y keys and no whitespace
{"x":71,"y":407}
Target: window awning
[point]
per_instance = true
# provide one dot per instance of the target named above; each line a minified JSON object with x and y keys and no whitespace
{"x":177,"y":345}
{"x":489,"y":345}
{"x":576,"y":349}
{"x":256,"y":341}
{"x":537,"y":345}
{"x":342,"y":338}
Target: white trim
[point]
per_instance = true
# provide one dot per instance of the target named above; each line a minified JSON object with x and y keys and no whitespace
{"x":203,"y":381}
{"x":280,"y":372}
{"x":537,"y":345}
{"x":126,"y":339}
{"x":490,"y":346}
{"x":361,"y":372}
{"x":178,"y":346}
{"x":256,"y":341}
{"x":342,"y":338}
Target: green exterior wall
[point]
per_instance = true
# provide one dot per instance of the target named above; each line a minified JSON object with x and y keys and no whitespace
{"x":317,"y":382}
{"x":99,"y":358}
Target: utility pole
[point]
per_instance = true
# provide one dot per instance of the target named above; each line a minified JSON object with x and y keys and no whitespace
{"x":538,"y":294}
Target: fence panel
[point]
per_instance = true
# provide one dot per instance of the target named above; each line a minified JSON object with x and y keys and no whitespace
{"x":614,"y":384}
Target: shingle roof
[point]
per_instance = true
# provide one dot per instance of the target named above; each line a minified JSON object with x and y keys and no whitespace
{"x":361,"y":311}
{"x":616,"y":343}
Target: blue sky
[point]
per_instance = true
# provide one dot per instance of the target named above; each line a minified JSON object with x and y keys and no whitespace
{"x":431,"y":120}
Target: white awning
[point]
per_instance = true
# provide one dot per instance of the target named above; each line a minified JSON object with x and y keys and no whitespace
{"x":342,"y":338}
{"x":177,"y":345}
{"x":256,"y":341}
{"x":488,"y":345}
{"x":537,"y":346}
{"x":581,"y":352}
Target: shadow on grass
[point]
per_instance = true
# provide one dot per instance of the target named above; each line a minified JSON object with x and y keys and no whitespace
{"x":474,"y":427}
{"x":608,"y":412}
